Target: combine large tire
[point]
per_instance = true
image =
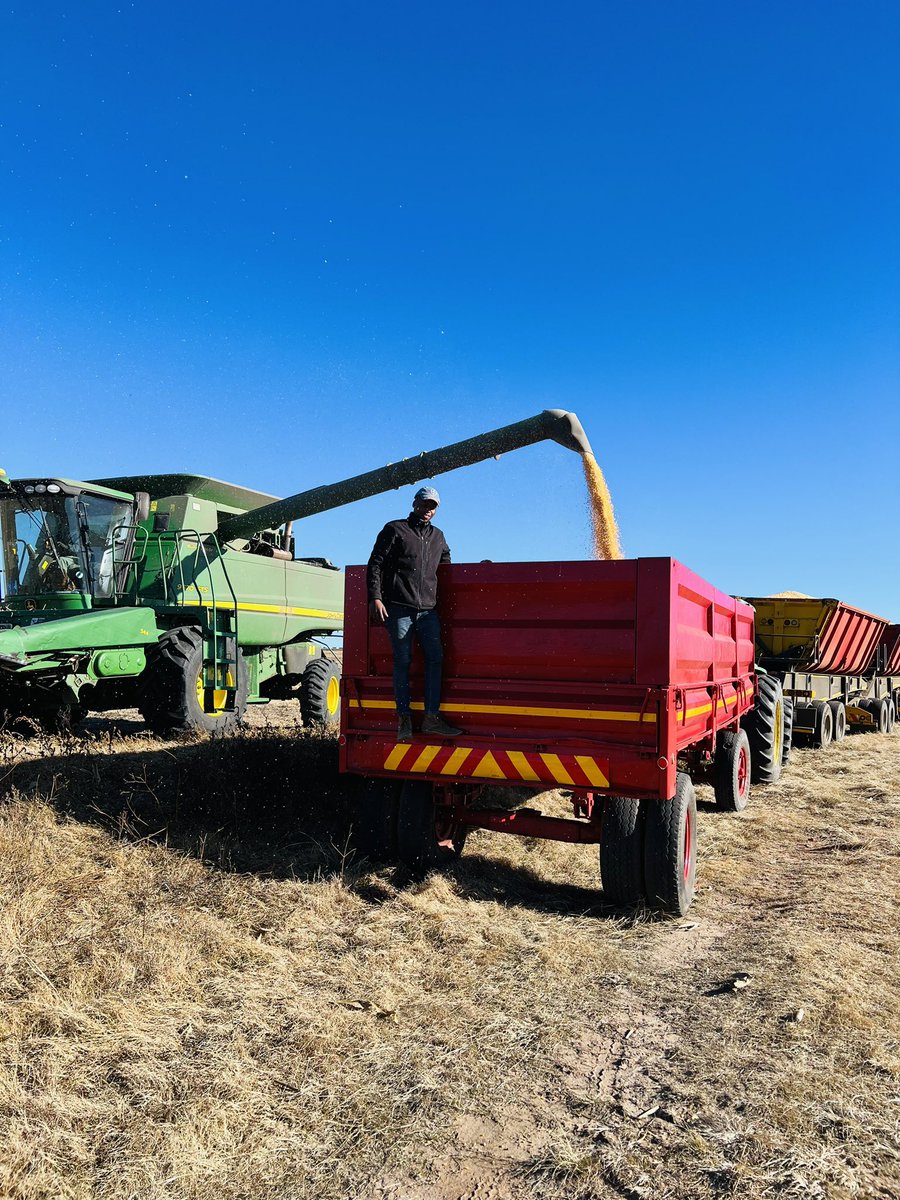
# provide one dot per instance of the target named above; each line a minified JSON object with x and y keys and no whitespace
{"x":172,"y":693}
{"x":838,"y":720}
{"x":320,"y":693}
{"x":787,"y":743}
{"x":732,"y":770}
{"x":622,"y":851}
{"x":670,"y":848}
{"x":765,"y":729}
{"x":426,"y":838}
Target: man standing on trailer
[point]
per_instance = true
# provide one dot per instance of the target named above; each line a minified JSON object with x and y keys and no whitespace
{"x":402,"y":581}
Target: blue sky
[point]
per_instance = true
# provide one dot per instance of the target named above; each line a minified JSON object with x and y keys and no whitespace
{"x":285,"y":243}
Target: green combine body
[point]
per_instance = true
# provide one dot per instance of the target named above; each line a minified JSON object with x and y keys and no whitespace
{"x":181,"y":595}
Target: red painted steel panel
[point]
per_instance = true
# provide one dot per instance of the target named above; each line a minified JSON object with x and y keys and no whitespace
{"x":891,"y":644}
{"x":622,"y":665}
{"x":847,"y":643}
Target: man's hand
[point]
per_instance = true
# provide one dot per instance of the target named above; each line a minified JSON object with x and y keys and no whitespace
{"x":379,"y":610}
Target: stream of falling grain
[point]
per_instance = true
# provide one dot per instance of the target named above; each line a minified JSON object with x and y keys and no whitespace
{"x":603,"y":519}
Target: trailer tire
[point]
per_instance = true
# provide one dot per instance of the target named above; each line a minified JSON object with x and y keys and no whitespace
{"x":891,"y":713}
{"x":670,"y":849}
{"x":170,"y":691}
{"x":879,"y":710}
{"x":732,"y":770}
{"x":622,"y":851}
{"x":320,"y":693}
{"x":838,"y":720}
{"x":765,"y":729}
{"x":425,"y":838}
{"x":787,"y":742}
{"x":824,"y":729}
{"x":374,"y":819}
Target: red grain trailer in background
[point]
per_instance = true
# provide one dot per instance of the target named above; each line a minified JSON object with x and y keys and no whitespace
{"x":838,"y":665}
{"x":611,"y":680}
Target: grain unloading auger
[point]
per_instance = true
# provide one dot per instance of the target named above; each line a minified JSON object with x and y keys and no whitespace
{"x":181,"y":595}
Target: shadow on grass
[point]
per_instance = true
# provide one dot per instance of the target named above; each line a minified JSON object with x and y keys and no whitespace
{"x":260,"y":801}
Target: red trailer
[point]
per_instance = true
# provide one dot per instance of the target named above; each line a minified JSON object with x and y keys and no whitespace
{"x":611,"y":680}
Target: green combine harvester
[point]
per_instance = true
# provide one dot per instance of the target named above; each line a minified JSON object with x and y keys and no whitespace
{"x":181,"y":595}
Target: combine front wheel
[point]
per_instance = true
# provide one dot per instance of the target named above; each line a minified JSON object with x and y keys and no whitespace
{"x":173,"y":694}
{"x":787,"y":742}
{"x":670,"y":848}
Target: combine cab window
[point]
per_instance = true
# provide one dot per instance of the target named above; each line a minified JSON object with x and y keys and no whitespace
{"x":59,"y":543}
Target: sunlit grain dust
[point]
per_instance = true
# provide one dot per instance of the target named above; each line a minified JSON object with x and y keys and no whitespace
{"x":603,"y":518}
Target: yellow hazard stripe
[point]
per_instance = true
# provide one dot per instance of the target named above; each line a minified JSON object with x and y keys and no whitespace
{"x":267,"y":608}
{"x":556,"y":769}
{"x":522,"y":765}
{"x":424,"y":760}
{"x":575,"y":714}
{"x":396,"y":756}
{"x":592,"y":772}
{"x":456,"y":760}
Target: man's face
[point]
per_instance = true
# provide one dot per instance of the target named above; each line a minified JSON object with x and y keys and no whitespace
{"x":424,"y":509}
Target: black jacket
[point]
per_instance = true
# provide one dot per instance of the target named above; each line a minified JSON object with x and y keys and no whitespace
{"x":403,"y":565}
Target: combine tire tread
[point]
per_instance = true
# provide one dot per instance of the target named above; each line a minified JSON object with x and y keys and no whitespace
{"x":168,"y":698}
{"x":320,"y":701}
{"x":765,"y":730}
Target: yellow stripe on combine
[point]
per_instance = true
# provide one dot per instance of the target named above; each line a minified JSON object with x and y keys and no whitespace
{"x":575,"y":714}
{"x":268,"y":608}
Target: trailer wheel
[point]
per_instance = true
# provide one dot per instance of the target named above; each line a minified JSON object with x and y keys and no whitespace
{"x":374,"y":820}
{"x":670,"y":848}
{"x":824,"y":728}
{"x":896,"y":699}
{"x":320,"y":693}
{"x":891,"y":713}
{"x":426,"y":836}
{"x":838,"y":720}
{"x":171,"y":693}
{"x":732,"y":770}
{"x":879,"y":710}
{"x":765,"y":729}
{"x":622,"y":851}
{"x":787,"y":744}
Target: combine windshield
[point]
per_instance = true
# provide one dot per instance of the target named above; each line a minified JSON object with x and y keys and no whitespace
{"x":58,"y":543}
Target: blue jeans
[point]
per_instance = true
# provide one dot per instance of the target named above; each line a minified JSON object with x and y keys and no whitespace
{"x":402,"y":625}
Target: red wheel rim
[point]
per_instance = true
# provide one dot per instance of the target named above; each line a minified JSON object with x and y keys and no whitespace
{"x":743,"y":772}
{"x":688,"y":845}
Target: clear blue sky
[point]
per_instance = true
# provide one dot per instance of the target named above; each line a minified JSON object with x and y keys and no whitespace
{"x":283,"y":243}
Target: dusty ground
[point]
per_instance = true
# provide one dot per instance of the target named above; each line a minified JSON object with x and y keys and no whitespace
{"x":205,"y":995}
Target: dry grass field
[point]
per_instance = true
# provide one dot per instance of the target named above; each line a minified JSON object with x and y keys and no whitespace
{"x":206,"y":997}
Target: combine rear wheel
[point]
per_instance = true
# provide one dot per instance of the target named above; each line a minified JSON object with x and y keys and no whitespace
{"x":622,"y":850}
{"x":765,"y":729}
{"x":838,"y":720}
{"x":670,"y":848}
{"x":824,"y":727}
{"x":172,"y":691}
{"x":427,"y":836}
{"x":732,"y":770}
{"x":320,"y":693}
